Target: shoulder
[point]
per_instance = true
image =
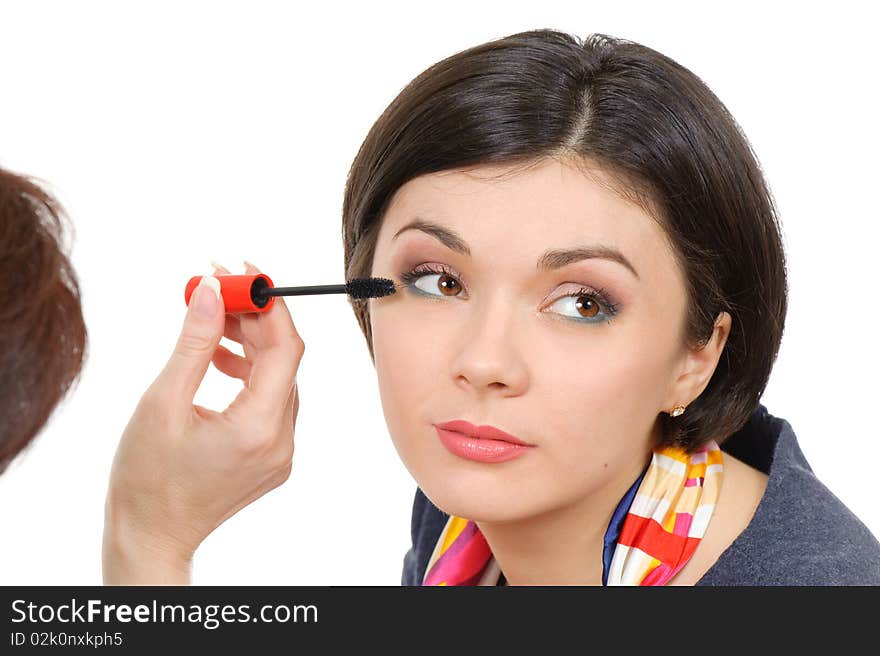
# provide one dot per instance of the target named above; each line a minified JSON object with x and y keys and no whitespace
{"x":800,"y":534}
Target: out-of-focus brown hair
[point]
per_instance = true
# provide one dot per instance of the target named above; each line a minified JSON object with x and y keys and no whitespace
{"x":649,"y":122}
{"x":43,"y":336}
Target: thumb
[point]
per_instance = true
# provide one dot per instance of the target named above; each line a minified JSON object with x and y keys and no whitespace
{"x":202,"y":330}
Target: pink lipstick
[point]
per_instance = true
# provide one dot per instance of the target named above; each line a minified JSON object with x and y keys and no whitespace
{"x":480,"y":443}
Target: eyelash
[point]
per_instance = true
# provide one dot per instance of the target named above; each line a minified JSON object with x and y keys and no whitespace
{"x":600,"y":295}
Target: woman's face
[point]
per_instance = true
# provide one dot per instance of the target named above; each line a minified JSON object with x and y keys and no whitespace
{"x":518,"y":335}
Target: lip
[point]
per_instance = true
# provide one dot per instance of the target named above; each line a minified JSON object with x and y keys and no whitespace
{"x":481,"y":432}
{"x":480,"y":443}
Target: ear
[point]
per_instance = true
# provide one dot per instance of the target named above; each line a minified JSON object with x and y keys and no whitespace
{"x":699,"y":365}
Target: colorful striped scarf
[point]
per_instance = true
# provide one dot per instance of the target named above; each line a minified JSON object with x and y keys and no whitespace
{"x":664,"y":522}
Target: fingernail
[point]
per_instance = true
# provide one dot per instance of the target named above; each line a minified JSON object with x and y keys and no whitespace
{"x":219,"y":267}
{"x":249,"y":265}
{"x":206,"y":297}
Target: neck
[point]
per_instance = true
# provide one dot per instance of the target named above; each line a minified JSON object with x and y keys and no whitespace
{"x":562,"y":546}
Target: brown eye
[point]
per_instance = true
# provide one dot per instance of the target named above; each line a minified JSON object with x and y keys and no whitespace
{"x":592,"y":306}
{"x":587,"y":307}
{"x":449,"y":285}
{"x":427,"y":281}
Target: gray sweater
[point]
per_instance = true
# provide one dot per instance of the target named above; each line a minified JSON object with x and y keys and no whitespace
{"x":800,"y":534}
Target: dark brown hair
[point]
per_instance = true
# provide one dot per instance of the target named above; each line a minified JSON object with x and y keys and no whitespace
{"x":42,"y":333}
{"x":655,"y":128}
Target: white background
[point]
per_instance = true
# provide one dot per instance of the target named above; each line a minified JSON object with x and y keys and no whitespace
{"x":180,"y":133}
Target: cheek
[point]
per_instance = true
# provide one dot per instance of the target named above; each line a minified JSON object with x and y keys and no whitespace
{"x":406,"y":369}
{"x":600,"y":397}
{"x":609,"y":382}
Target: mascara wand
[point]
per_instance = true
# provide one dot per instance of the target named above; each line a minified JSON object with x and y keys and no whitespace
{"x":257,"y":292}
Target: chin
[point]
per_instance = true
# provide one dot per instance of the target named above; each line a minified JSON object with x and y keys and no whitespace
{"x":478,"y":500}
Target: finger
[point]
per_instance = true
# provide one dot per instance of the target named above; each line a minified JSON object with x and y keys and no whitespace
{"x":231,"y":364}
{"x":270,"y":327}
{"x":200,"y":335}
{"x":232,"y":329}
{"x":274,"y":366}
{"x":278,"y":350}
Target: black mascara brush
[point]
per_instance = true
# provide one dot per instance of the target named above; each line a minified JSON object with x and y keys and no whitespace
{"x":256,"y":292}
{"x":358,"y":288}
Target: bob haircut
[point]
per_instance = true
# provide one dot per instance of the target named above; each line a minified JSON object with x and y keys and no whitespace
{"x":656,"y":130}
{"x":43,"y":336}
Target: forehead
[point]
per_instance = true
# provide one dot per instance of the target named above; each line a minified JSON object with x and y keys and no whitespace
{"x":525,"y":210}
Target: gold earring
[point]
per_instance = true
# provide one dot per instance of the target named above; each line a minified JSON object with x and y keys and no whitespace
{"x":677,"y":410}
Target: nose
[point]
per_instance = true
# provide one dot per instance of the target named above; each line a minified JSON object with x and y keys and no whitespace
{"x":490,"y":347}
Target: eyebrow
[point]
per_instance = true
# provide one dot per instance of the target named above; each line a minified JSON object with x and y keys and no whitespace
{"x":551,"y":259}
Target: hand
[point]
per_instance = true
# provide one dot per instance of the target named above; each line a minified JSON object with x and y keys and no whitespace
{"x":181,"y":470}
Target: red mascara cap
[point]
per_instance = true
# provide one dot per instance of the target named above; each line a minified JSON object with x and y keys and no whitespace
{"x":240,"y":292}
